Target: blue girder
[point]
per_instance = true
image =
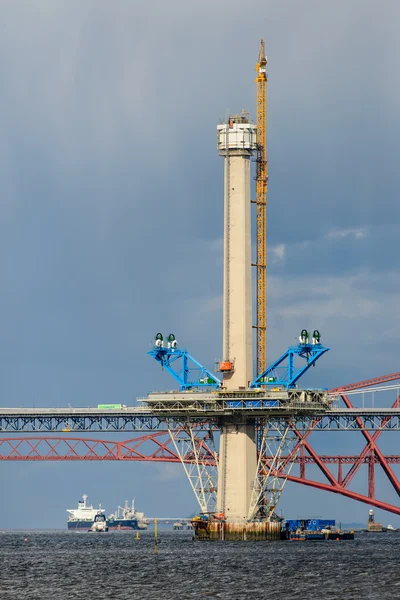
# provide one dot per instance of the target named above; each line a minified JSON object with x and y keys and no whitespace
{"x":287,"y":375}
{"x":189,"y":373}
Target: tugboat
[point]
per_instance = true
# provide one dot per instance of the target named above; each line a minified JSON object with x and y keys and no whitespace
{"x":99,"y":524}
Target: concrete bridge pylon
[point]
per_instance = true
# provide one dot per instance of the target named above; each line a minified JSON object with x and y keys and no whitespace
{"x":237,"y":143}
{"x":238,"y":451}
{"x":237,"y":470}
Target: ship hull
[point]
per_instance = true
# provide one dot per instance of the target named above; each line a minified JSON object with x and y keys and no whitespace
{"x":80,"y":525}
{"x":317,"y":535}
{"x":116,"y":525}
{"x":125,"y":525}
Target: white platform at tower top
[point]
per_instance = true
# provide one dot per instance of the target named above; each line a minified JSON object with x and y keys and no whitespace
{"x":238,"y":135}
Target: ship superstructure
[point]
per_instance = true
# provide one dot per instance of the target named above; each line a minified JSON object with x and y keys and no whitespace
{"x":83,"y":516}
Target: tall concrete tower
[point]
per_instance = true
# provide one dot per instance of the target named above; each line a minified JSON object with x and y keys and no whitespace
{"x":238,"y":452}
{"x":236,"y":143}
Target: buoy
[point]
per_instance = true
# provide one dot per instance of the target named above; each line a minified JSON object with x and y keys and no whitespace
{"x":25,"y":539}
{"x":137,"y":535}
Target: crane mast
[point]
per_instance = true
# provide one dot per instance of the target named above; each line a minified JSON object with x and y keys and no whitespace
{"x":261,"y":211}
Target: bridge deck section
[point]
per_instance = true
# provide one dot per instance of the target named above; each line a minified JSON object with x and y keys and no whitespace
{"x":159,"y":418}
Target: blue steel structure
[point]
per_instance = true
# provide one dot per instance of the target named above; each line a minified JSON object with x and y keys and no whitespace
{"x":287,"y":375}
{"x":309,"y":524}
{"x":188,"y":372}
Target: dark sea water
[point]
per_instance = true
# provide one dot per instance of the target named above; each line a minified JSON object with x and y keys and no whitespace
{"x":70,"y":565}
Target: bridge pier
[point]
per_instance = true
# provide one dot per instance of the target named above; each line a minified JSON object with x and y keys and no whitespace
{"x":237,"y":532}
{"x":237,"y":469}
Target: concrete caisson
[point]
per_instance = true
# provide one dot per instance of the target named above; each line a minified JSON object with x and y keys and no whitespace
{"x":240,"y":531}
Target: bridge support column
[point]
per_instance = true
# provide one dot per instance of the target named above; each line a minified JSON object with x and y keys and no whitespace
{"x":237,"y":470}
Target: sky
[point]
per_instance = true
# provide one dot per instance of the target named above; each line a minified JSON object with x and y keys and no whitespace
{"x":111,"y":219}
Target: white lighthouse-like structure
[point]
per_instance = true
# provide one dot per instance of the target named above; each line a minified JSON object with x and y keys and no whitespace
{"x":237,"y":143}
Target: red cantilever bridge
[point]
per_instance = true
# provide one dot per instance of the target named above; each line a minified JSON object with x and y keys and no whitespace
{"x":159,"y":446}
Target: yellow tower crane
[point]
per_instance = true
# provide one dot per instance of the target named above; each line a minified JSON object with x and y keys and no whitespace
{"x":261,"y":211}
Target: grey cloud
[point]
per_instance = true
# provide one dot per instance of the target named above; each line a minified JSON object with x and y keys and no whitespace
{"x":111,"y":194}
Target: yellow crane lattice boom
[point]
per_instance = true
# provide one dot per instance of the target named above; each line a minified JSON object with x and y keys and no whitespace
{"x":261,"y":211}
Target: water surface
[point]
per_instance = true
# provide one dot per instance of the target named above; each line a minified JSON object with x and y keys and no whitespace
{"x":85,"y":566}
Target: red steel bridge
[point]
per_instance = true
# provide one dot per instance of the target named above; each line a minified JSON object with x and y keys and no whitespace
{"x":158,"y":446}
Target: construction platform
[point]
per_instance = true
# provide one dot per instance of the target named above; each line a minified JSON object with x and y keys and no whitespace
{"x":259,"y":401}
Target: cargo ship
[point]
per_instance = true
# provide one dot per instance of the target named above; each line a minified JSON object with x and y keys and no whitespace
{"x":126,"y":518}
{"x":83,"y":516}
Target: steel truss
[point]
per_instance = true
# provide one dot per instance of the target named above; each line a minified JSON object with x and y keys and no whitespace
{"x":157,"y":446}
{"x":198,"y":455}
{"x":283,"y":371}
{"x":185,"y":369}
{"x":153,"y":447}
{"x":370,"y":454}
{"x":271,"y":475}
{"x":334,"y":420}
{"x":339,"y":484}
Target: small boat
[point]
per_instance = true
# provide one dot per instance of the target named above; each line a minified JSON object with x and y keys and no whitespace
{"x":99,"y":524}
